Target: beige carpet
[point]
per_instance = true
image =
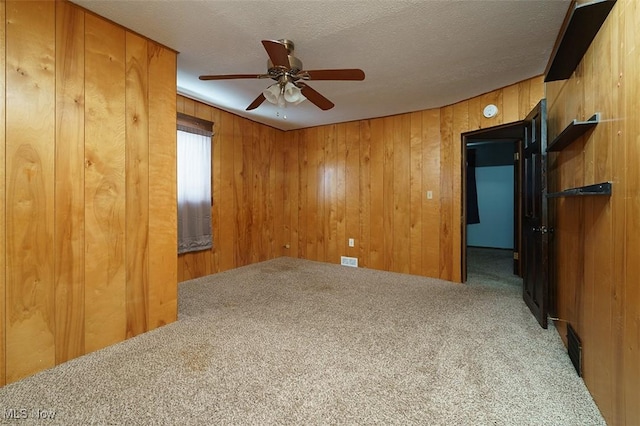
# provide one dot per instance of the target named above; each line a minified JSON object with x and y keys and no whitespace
{"x":296,"y":342}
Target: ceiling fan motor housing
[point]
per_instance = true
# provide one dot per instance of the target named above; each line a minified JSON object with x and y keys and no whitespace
{"x":295,"y":64}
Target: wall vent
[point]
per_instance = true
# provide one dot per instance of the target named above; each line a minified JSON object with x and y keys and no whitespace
{"x":574,"y":347}
{"x":349,"y":261}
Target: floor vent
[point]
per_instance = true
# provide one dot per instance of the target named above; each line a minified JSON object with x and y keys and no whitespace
{"x":574,"y":348}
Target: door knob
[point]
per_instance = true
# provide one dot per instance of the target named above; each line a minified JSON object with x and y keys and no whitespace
{"x":542,"y":229}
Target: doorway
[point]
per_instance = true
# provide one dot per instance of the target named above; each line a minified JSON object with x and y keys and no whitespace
{"x":531,"y":230}
{"x":491,"y":206}
{"x":490,"y":154}
{"x":490,"y":214}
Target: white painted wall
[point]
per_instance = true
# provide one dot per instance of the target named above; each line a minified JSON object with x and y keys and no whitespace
{"x":495,"y":205}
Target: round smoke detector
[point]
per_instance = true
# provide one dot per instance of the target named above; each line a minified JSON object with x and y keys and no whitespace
{"x":490,"y":111}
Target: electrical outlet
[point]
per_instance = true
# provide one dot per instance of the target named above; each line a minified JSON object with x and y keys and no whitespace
{"x":352,"y":242}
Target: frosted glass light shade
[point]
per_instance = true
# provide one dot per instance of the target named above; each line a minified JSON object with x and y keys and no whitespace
{"x":279,"y":95}
{"x":293,"y":94}
{"x":272,"y":93}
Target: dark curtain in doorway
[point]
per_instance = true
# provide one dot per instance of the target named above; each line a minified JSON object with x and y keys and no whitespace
{"x":473,"y":215}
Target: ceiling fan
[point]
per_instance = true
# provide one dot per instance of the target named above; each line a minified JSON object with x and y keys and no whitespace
{"x":290,"y":77}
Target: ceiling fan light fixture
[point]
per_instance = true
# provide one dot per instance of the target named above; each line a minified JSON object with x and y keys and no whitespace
{"x":272,"y":93}
{"x":293,"y":94}
{"x":280,"y":95}
{"x":287,"y":71}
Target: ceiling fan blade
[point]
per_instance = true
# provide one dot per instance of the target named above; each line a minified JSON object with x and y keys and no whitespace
{"x":277,"y":53}
{"x":232,"y":76}
{"x":343,"y":74}
{"x":256,"y":103}
{"x":316,"y":98}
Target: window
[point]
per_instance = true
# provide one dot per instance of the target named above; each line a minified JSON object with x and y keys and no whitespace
{"x":194,"y":185}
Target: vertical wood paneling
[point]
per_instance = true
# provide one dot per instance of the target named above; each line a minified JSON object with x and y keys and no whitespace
{"x":509,"y":110}
{"x":626,"y":167}
{"x":365,"y":180}
{"x":387,"y":193}
{"x":476,"y":118}
{"x":290,"y":179}
{"x":364,"y":243}
{"x":163,"y":222}
{"x":447,"y":195}
{"x":189,"y":106}
{"x":352,"y":194}
{"x":249,"y":165}
{"x":416,"y":193}
{"x":402,"y":193}
{"x":399,"y":159}
{"x":278,"y":177}
{"x":239,"y":233}
{"x":460,"y":125}
{"x":597,"y":223}
{"x":598,"y":243}
{"x":105,"y":295}
{"x":248,"y":148}
{"x":340,"y":201}
{"x":330,"y":193}
{"x":294,"y":179}
{"x":529,"y":94}
{"x":265,"y":204}
{"x":320,"y":180}
{"x":603,"y":170}
{"x":311,"y":193}
{"x":258,"y":185}
{"x":69,"y":183}
{"x":272,"y":197}
{"x":431,"y":208}
{"x":292,"y":193}
{"x":73,"y":160}
{"x":3,"y":379}
{"x":303,"y":158}
{"x":216,"y":181}
{"x":287,"y":180}
{"x":137,"y":185}
{"x":376,"y":186}
{"x":225,"y":197}
{"x":265,"y":198}
{"x":30,"y":151}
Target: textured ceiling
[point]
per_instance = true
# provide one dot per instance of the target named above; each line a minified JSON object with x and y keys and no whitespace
{"x":416,"y":54}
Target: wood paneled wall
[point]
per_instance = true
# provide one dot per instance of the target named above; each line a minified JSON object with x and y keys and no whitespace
{"x":247,"y":181}
{"x":304,"y":193}
{"x":87,"y":160}
{"x":598,"y":238}
{"x":368,"y":180}
{"x":3,"y":240}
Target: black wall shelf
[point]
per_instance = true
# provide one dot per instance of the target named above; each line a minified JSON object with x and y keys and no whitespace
{"x":603,"y":188}
{"x":576,"y":35}
{"x":572,"y":132}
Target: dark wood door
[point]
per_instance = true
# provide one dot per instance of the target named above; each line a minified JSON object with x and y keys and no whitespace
{"x":517,"y":207}
{"x":535,"y":231}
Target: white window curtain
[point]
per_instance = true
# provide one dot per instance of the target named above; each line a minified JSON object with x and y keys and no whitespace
{"x":194,"y":191}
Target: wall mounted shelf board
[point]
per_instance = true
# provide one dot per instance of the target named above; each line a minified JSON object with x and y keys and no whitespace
{"x":577,"y":32}
{"x":572,"y":132}
{"x":603,"y":188}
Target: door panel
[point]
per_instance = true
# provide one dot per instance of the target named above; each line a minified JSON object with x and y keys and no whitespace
{"x":535,"y":235}
{"x":517,"y":207}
